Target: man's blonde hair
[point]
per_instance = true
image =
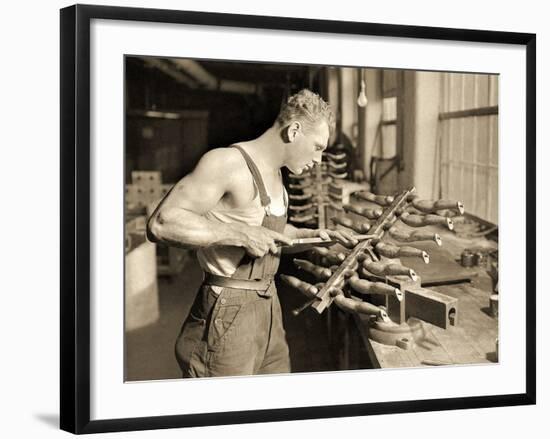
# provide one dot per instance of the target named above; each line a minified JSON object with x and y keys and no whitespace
{"x":308,"y":108}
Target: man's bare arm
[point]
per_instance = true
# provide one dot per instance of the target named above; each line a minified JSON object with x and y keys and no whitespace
{"x":179,"y":220}
{"x":295,"y":232}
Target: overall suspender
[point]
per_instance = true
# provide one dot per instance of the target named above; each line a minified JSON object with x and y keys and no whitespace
{"x":254,"y":274}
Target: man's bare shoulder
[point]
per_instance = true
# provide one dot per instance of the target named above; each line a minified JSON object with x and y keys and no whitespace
{"x":226,"y":160}
{"x":220,"y":171}
{"x":222,"y":164}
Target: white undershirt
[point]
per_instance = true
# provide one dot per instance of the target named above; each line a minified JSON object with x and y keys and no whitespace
{"x":223,"y":260}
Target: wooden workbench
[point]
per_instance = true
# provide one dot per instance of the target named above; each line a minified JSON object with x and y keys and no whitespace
{"x":473,"y":340}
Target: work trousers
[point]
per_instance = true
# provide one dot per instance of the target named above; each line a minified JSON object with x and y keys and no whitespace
{"x":235,"y":332}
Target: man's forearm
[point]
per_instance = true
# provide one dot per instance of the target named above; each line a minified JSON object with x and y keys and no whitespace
{"x":183,"y":228}
{"x":295,"y":232}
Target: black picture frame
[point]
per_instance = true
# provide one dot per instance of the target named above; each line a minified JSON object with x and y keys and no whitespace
{"x":75,"y":217}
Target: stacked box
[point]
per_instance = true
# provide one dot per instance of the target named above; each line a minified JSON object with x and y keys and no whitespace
{"x":145,"y":188}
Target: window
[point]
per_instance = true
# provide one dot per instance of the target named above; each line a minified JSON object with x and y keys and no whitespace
{"x":468,"y":138}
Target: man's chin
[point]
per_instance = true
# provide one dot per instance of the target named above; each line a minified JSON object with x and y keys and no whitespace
{"x":298,"y":170}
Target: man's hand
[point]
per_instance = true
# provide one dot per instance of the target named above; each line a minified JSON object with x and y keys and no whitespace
{"x":259,"y":241}
{"x":344,"y":237}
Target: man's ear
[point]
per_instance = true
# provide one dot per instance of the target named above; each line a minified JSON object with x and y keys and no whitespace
{"x":292,"y":130}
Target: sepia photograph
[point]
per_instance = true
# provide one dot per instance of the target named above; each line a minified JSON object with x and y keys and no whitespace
{"x":297,"y":218}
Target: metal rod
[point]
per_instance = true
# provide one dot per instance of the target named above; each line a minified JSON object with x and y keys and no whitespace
{"x":297,"y":311}
{"x":321,"y":241}
{"x":351,"y":260}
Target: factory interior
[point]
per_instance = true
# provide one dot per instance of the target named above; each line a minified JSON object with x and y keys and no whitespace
{"x":413,"y":161}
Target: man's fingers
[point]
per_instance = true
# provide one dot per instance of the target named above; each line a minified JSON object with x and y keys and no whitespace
{"x":344,"y":237}
{"x":347,"y":234}
{"x":281,"y":238}
{"x":254,"y":253}
{"x":324,"y":235}
{"x":273,"y":248}
{"x":350,"y":238}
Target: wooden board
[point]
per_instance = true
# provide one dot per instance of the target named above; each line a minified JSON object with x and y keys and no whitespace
{"x":442,"y":267}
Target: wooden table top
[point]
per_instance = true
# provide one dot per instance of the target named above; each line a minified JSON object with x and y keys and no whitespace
{"x":472,"y":341}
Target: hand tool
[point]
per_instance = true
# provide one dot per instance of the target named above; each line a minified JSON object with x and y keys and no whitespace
{"x":301,"y":176}
{"x":414,"y":235}
{"x":300,"y":208}
{"x":366,"y":287}
{"x":301,"y":218}
{"x":393,"y":251}
{"x":335,"y":206}
{"x":318,"y":241}
{"x":425,"y":220}
{"x":297,"y":311}
{"x":382,"y":200}
{"x":339,"y":156}
{"x":334,"y":165}
{"x":336,"y":197}
{"x":360,"y":307}
{"x":332,"y":257}
{"x":320,"y":273}
{"x":431,"y":206}
{"x":340,"y":175}
{"x":368,"y":212}
{"x":359,"y":227}
{"x":300,"y":187}
{"x":380,"y":269}
{"x":303,"y":197}
{"x":304,"y":287}
{"x":351,"y":259}
{"x":367,"y":250}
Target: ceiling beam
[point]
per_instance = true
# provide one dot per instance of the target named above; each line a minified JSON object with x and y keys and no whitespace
{"x":170,"y":70}
{"x":210,"y":82}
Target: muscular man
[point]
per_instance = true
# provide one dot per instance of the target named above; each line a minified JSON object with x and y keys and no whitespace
{"x":232,"y":208}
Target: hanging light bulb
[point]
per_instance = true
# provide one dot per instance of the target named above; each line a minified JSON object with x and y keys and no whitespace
{"x":362,"y":99}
